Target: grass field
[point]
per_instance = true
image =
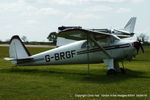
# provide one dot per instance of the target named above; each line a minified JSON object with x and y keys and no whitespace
{"x":71,"y":82}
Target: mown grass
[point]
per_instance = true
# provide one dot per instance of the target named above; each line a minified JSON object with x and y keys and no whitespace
{"x":65,"y":82}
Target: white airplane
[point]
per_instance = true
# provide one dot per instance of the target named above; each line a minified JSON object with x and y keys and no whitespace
{"x":91,"y":47}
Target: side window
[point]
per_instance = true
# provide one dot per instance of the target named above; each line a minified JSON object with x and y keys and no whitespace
{"x":91,"y":45}
{"x":84,"y":45}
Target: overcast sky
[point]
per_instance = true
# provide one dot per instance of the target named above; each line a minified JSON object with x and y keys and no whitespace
{"x":37,"y":18}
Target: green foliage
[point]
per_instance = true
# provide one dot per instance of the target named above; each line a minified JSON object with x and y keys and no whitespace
{"x":64,"y":82}
{"x":52,"y":37}
{"x":143,"y":38}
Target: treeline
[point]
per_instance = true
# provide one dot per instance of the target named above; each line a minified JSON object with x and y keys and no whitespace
{"x":31,"y":43}
{"x":146,"y":43}
{"x":39,"y":43}
{"x":53,"y":44}
{"x":52,"y":38}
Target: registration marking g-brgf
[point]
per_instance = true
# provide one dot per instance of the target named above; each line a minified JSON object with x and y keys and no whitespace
{"x":60,"y":55}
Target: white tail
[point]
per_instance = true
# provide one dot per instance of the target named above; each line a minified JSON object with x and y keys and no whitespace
{"x":130,"y":25}
{"x":17,"y":50}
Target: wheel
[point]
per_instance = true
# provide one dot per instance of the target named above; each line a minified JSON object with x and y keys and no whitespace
{"x":111,"y":72}
{"x":123,"y":71}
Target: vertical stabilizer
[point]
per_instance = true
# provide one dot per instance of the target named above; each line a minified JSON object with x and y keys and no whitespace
{"x":17,"y":49}
{"x":130,"y":25}
{"x":18,"y":53}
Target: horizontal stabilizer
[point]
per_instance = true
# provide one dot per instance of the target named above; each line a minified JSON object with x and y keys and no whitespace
{"x":18,"y":53}
{"x":10,"y":59}
{"x":21,"y":60}
{"x":14,"y":59}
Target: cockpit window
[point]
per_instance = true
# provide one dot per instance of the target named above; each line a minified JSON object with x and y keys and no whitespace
{"x":84,"y":45}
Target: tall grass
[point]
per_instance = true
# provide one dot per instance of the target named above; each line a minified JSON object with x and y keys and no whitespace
{"x":65,"y":82}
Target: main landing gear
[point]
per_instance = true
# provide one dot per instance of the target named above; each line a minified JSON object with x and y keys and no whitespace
{"x":113,"y":67}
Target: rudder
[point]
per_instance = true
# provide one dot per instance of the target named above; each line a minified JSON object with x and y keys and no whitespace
{"x":130,"y":25}
{"x":17,"y":49}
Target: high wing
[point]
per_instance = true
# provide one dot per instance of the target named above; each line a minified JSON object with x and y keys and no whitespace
{"x":81,"y":34}
{"x":118,"y":33}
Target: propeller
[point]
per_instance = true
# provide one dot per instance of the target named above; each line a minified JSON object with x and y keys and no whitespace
{"x":138,"y":45}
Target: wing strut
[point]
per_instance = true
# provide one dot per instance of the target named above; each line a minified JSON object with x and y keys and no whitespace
{"x":103,"y":50}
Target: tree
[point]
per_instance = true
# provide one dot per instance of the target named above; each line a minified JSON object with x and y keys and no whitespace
{"x":52,"y":37}
{"x":24,"y":38}
{"x":143,"y":38}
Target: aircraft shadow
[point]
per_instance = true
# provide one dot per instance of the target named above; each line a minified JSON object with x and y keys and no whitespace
{"x":105,"y":79}
{"x":101,"y":78}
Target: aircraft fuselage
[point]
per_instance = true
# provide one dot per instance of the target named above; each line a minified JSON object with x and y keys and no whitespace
{"x":76,"y":53}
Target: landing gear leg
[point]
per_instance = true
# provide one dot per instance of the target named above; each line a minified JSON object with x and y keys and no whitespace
{"x":110,"y":65}
{"x":113,"y":67}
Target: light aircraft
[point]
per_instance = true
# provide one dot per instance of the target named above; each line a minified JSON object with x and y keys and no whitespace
{"x":91,"y":46}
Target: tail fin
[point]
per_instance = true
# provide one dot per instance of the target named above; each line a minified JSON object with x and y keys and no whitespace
{"x":130,"y":25}
{"x":17,"y":49}
{"x":18,"y":52}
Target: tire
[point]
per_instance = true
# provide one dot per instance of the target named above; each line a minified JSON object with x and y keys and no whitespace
{"x":111,"y":72}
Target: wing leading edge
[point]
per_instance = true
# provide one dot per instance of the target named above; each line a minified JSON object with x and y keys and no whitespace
{"x":81,"y":34}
